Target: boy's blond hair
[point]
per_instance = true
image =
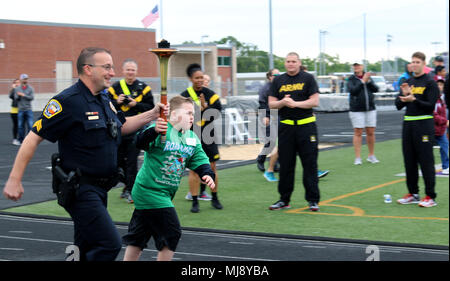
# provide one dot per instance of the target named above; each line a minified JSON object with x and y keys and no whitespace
{"x":177,"y":101}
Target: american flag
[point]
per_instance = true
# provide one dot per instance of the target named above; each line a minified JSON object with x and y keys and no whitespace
{"x":151,"y":18}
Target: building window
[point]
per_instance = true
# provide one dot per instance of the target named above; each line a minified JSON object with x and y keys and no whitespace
{"x":224,"y":61}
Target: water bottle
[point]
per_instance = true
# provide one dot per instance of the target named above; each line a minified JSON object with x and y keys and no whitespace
{"x":387,"y":198}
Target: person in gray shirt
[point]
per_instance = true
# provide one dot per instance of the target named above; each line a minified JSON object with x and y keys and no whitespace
{"x":24,"y":94}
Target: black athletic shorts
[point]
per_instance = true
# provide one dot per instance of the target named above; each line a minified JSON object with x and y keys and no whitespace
{"x":161,"y":224}
{"x":212,"y":151}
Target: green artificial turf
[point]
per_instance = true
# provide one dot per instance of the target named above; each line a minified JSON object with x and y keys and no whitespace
{"x":246,"y":196}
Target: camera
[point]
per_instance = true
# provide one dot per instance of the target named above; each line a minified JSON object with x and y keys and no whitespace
{"x":126,"y":100}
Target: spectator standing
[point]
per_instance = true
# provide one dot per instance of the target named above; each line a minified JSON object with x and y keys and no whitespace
{"x":14,"y":111}
{"x":24,"y":95}
{"x":406,"y":75}
{"x":363,"y":114}
{"x":270,"y":139}
{"x":441,"y":125}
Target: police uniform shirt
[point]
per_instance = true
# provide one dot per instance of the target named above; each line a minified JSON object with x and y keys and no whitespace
{"x":78,"y":120}
{"x":426,"y":92}
{"x":139,"y":91}
{"x":300,"y":86}
{"x":213,"y":101}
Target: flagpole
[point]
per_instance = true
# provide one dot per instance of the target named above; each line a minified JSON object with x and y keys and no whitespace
{"x":161,"y":18}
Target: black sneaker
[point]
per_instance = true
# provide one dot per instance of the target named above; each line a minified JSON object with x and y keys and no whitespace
{"x":195,"y":208}
{"x":216,"y":204}
{"x":313,"y":207}
{"x":279,"y":205}
{"x":260,"y":166}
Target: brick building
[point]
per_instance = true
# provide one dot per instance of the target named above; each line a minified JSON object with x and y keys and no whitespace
{"x":50,"y":50}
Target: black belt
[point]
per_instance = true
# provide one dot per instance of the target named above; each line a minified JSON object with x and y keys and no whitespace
{"x":106,"y":183}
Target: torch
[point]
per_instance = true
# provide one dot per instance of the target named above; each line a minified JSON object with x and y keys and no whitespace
{"x":163,"y":52}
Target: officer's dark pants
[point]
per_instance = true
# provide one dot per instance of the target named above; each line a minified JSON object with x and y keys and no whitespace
{"x":417,"y":144}
{"x":95,"y":233}
{"x":298,"y":140}
{"x":127,"y":160}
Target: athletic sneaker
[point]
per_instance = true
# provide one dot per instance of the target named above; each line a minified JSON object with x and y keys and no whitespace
{"x":427,"y":202}
{"x":188,"y":196}
{"x":125,"y":193}
{"x":195,"y":208}
{"x":16,"y":142}
{"x":358,"y":161}
{"x":260,"y":165}
{"x":445,"y":171}
{"x":204,"y":196}
{"x":313,"y":207}
{"x":270,"y":176}
{"x":279,"y":205}
{"x":129,"y":199}
{"x":373,"y":159}
{"x":216,"y":204}
{"x":321,"y":174}
{"x":409,"y":199}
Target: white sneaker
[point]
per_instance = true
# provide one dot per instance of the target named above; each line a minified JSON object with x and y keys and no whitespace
{"x":427,"y":202}
{"x":445,"y":171}
{"x":358,"y":161}
{"x":373,"y":159}
{"x":16,"y":142}
{"x":409,"y":199}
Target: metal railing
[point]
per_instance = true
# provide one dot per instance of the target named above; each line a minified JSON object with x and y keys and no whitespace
{"x":174,"y":85}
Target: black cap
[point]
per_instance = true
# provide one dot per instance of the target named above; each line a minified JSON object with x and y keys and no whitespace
{"x":439,"y":58}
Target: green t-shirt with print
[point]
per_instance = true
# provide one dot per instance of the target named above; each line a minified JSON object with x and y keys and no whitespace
{"x":160,"y":174}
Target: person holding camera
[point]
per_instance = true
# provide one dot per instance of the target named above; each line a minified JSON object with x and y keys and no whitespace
{"x":132,"y":97}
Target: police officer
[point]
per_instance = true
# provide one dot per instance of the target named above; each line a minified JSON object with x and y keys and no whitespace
{"x":88,"y":130}
{"x":132,"y":97}
{"x":419,"y":94}
{"x":294,"y":94}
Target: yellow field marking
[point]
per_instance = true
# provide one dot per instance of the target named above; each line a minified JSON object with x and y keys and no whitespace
{"x":357,"y":212}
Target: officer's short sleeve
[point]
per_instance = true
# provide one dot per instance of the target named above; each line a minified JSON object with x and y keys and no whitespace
{"x":55,"y":120}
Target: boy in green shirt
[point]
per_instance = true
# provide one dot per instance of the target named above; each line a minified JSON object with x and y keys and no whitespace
{"x":159,"y":178}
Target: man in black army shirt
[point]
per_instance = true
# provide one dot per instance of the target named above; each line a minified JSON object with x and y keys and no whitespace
{"x":419,"y":94}
{"x":294,"y":94}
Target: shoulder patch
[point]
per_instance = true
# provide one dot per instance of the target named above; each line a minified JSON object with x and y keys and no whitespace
{"x":52,"y":108}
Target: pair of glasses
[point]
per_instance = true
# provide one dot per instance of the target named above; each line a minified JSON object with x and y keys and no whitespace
{"x":107,"y":67}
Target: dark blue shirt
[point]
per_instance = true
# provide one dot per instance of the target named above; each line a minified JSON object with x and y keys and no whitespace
{"x":78,"y":121}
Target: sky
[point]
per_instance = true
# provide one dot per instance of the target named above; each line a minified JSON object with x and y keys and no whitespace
{"x":413,"y":24}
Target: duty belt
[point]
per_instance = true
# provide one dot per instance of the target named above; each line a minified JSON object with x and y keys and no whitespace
{"x":106,"y":183}
{"x":416,"y":118}
{"x":300,"y":121}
